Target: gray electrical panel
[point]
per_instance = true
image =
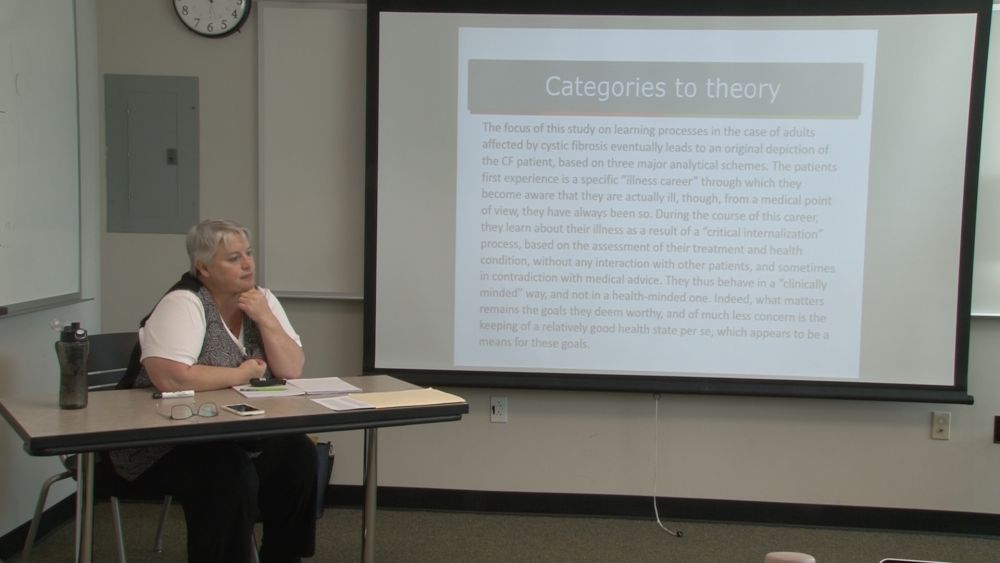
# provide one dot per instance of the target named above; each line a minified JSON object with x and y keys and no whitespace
{"x":151,"y":129}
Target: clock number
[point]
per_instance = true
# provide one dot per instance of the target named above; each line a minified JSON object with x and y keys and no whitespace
{"x":184,"y":10}
{"x":210,"y":28}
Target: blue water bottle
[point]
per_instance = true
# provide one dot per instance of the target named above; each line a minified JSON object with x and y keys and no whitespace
{"x":72,"y":350}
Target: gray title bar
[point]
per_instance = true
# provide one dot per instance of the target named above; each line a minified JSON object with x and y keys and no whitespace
{"x":761,"y":90}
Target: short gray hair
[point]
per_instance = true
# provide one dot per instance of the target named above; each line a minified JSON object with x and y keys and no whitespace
{"x":204,"y":238}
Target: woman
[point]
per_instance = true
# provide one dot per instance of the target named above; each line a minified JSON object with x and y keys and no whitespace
{"x":214,"y":329}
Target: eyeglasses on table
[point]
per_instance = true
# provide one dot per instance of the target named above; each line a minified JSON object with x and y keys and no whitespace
{"x":182,"y":412}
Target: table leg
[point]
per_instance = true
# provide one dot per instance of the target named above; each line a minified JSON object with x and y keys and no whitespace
{"x":85,"y":507}
{"x":371,"y":489}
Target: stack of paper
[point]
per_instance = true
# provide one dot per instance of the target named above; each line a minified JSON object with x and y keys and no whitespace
{"x":304,"y":386}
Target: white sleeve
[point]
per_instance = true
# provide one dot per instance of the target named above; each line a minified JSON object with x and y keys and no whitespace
{"x":176,"y":328}
{"x":279,"y":313}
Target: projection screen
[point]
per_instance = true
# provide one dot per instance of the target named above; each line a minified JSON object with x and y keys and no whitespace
{"x":749,"y":200}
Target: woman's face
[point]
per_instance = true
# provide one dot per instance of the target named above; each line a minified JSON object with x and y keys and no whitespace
{"x":232,"y":268}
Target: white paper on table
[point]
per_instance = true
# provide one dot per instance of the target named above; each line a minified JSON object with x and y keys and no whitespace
{"x":343,"y":403}
{"x":322,"y":385}
{"x":251,"y":392}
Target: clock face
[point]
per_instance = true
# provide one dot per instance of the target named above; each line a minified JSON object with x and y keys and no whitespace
{"x":213,"y":18}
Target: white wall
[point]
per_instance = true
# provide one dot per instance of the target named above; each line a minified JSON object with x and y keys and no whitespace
{"x":768,"y":449}
{"x":27,"y":356}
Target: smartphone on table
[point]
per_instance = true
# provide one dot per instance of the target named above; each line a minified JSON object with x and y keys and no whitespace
{"x":243,"y":409}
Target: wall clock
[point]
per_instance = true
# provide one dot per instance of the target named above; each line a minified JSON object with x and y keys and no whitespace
{"x":213,"y":18}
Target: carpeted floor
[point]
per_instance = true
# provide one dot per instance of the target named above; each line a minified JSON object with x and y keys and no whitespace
{"x":404,"y":536}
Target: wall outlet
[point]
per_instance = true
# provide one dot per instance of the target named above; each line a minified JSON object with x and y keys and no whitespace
{"x":941,"y":425}
{"x":498,"y":409}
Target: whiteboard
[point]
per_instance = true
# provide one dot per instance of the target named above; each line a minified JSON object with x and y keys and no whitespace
{"x":311,"y":148}
{"x":39,"y":155}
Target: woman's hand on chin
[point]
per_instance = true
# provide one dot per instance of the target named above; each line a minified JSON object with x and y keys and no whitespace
{"x":254,"y":305}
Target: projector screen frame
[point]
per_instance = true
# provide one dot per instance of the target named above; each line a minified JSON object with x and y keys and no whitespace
{"x":957,"y":393}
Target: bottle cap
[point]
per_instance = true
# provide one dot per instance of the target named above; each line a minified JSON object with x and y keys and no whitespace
{"x":73,"y":333}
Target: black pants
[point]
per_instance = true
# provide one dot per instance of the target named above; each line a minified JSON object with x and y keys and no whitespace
{"x":224,"y":491}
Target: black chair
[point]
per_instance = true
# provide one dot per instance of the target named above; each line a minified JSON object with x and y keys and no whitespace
{"x":106,"y":363}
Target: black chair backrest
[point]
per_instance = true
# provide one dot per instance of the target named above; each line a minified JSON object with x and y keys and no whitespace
{"x":109,"y":358}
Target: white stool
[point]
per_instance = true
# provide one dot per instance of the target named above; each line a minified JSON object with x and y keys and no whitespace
{"x":789,"y":557}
